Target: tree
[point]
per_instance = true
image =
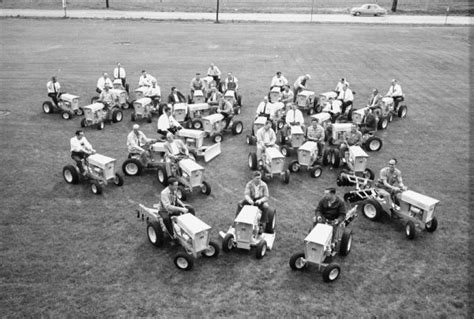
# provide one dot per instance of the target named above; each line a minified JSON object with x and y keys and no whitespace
{"x":394,"y":5}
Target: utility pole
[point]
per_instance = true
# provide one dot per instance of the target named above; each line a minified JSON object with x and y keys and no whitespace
{"x":64,"y":7}
{"x":217,"y":12}
{"x":107,"y":4}
{"x":394,"y":5}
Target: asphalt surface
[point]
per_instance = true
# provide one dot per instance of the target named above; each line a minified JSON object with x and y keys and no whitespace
{"x":241,"y":17}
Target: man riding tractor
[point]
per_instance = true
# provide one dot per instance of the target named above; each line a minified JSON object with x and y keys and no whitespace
{"x":391,"y":181}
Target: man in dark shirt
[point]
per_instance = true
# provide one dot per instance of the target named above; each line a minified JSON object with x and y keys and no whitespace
{"x":330,"y":208}
{"x":369,"y":123}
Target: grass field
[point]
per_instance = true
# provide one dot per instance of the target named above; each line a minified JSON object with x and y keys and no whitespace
{"x":272,"y":6}
{"x":66,"y":252}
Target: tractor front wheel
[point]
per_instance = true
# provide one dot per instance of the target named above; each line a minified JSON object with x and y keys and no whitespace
{"x":297,"y":261}
{"x":212,"y":251}
{"x":410,"y":230}
{"x":261,"y":249}
{"x":228,"y":243}
{"x":183,"y":261}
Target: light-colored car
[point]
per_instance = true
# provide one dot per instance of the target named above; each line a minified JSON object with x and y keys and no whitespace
{"x":369,"y":9}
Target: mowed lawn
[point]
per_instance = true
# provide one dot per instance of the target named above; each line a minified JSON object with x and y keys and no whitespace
{"x":66,"y":252}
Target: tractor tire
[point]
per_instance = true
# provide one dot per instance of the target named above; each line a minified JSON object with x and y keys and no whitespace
{"x":117,"y":116}
{"x":205,"y":188}
{"x":410,"y":230}
{"x":431,"y":225}
{"x":70,"y":174}
{"x":132,"y":167}
{"x":311,"y":110}
{"x":368,"y":174}
{"x":48,"y":107}
{"x":217,"y":138}
{"x":372,"y":209}
{"x":297,"y":261}
{"x":373,"y":144}
{"x":346,"y":243}
{"x":118,"y":180}
{"x":383,"y":123}
{"x":96,"y":188}
{"x":335,"y":158}
{"x":149,"y":118}
{"x":100,"y":126}
{"x":402,"y":111}
{"x":249,"y":140}
{"x":162,"y":176}
{"x":83,"y":123}
{"x":212,"y":251}
{"x":237,"y":128}
{"x":316,"y":171}
{"x":133,"y":118}
{"x":261,"y":249}
{"x":196,"y":124}
{"x":79,"y":112}
{"x":183,"y":261}
{"x":331,"y":272}
{"x":280,"y":124}
{"x":155,"y":234}
{"x":66,"y":115}
{"x":285,"y":151}
{"x":294,"y":166}
{"x":271,"y":222}
{"x":252,"y":161}
{"x":125,"y":106}
{"x":228,"y":243}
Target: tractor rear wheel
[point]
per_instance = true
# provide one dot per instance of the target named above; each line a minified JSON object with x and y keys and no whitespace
{"x":326,"y":156}
{"x":271,"y":221}
{"x":132,"y":167}
{"x":372,"y":209}
{"x":346,"y":242}
{"x":261,"y":249}
{"x":196,"y":124}
{"x":237,"y":128}
{"x":252,"y":161}
{"x":70,"y":174}
{"x":155,"y":234}
{"x":162,"y":176}
{"x":297,"y":261}
{"x":373,"y":144}
{"x":383,"y":123}
{"x":117,"y":116}
{"x":294,"y":166}
{"x":48,"y":107}
{"x":228,"y":243}
{"x":315,"y":171}
{"x":402,"y":111}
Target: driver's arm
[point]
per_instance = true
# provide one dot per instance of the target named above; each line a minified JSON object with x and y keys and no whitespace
{"x":272,"y":138}
{"x":341,"y":210}
{"x":167,"y":204}
{"x":265,"y":196}
{"x":247,"y":193}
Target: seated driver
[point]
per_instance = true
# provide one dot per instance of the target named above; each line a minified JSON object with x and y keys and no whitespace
{"x":266,"y":137}
{"x":107,"y":97}
{"x":391,"y":180}
{"x":354,"y":137}
{"x":264,"y":108}
{"x":167,"y":123}
{"x":256,"y":193}
{"x":293,"y":117}
{"x":135,"y":140}
{"x":330,"y":208}
{"x":316,"y":133}
{"x":395,"y":92}
{"x":80,"y":150}
{"x":226,"y":109}
{"x":171,"y":205}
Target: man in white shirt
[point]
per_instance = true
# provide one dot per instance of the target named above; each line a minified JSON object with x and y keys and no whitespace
{"x":155,"y":93}
{"x":232,"y":83}
{"x":103,"y":81}
{"x":395,"y":92}
{"x":215,"y":73}
{"x":135,"y":140}
{"x":346,"y":97}
{"x":119,"y":73}
{"x":340,"y":85}
{"x":279,"y":81}
{"x":80,"y":150}
{"x":266,"y":137}
{"x":293,"y":117}
{"x":300,"y":85}
{"x":214,"y":97}
{"x":146,"y":79}
{"x":167,"y":123}
{"x":197,"y":84}
{"x":287,"y":96}
{"x":264,"y":108}
{"x":54,"y":88}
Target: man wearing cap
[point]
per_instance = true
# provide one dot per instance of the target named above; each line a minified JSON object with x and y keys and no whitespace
{"x":395,"y":92}
{"x":197,"y":84}
{"x":119,"y":73}
{"x":167,"y":123}
{"x":135,"y":140}
{"x":170,"y":205}
{"x":215,"y":73}
{"x":107,"y":97}
{"x":278,"y":81}
{"x":315,"y":133}
{"x":54,"y":88}
{"x":330,"y":208}
{"x":256,"y":193}
{"x":146,"y":79}
{"x":391,"y":180}
{"x":175,"y":96}
{"x":80,"y":149}
{"x":102,"y":82}
{"x":300,"y":85}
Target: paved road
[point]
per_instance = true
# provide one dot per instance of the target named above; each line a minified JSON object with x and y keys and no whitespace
{"x":261,"y":17}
